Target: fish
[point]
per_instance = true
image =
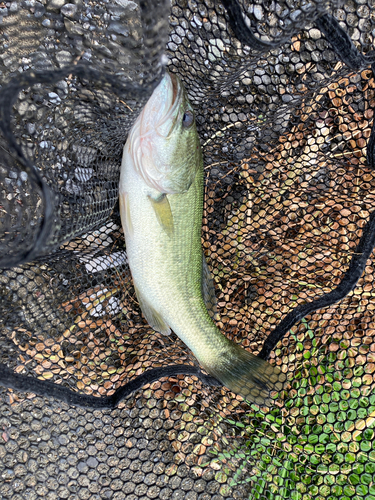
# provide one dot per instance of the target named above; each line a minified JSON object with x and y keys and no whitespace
{"x":161,"y":207}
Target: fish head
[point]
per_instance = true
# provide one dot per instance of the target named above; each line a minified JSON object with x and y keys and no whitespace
{"x":164,"y":142}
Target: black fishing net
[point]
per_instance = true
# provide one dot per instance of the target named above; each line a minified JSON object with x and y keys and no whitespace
{"x":94,"y":403}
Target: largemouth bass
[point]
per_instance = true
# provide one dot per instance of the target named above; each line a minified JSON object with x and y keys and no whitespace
{"x":161,"y":205}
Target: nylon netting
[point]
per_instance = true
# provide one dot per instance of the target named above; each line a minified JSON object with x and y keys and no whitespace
{"x":284,"y":94}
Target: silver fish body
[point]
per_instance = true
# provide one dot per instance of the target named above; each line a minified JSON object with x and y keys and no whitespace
{"x":161,"y":203}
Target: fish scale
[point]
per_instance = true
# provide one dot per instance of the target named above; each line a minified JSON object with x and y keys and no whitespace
{"x":161,"y":204}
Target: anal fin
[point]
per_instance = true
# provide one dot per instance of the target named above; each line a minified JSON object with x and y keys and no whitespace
{"x":153,"y":318}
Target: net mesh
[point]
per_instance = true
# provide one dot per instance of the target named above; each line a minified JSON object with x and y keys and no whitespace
{"x":284,"y":94}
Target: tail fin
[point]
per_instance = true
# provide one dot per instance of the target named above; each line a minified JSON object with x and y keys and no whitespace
{"x":249,"y":376}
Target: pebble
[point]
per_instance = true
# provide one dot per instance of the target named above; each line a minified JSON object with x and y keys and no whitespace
{"x":286,"y":98}
{"x":30,"y":127}
{"x":280,"y":69}
{"x":115,"y":10}
{"x":73,"y":28}
{"x":127,"y":4}
{"x":10,"y":62}
{"x":61,"y":123}
{"x":315,"y":33}
{"x":87,"y":55}
{"x":54,"y":98}
{"x":72,"y":187}
{"x":62,"y":85}
{"x":258,"y":12}
{"x":59,"y":24}
{"x":37,"y":98}
{"x":55,"y":4}
{"x":63,"y":58}
{"x":119,"y":28}
{"x":39,"y":10}
{"x":22,"y":107}
{"x":92,"y":462}
{"x":69,"y":10}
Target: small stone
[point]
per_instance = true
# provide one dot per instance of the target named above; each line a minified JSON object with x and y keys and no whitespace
{"x":73,"y":28}
{"x":47,"y":23}
{"x":54,"y":98}
{"x":39,"y":10}
{"x":30,"y":128}
{"x":104,"y":50}
{"x":37,"y":98}
{"x":280,"y":69}
{"x":73,"y":188}
{"x":315,"y":33}
{"x":127,"y":4}
{"x":119,"y":28}
{"x":87,"y":55}
{"x":69,"y":10}
{"x":98,"y":10}
{"x":22,"y":107}
{"x":13,"y":7}
{"x":258,"y":12}
{"x":61,"y":124}
{"x":9,"y":62}
{"x":55,"y":4}
{"x":115,"y":10}
{"x":286,"y":98}
{"x":82,"y":467}
{"x":92,"y":462}
{"x":63,"y":58}
{"x":62,"y":85}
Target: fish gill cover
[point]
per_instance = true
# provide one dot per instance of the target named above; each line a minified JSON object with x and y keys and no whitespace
{"x":94,"y":403}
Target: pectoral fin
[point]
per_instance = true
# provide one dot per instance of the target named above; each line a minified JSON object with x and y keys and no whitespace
{"x":208,"y":290}
{"x":153,"y":318}
{"x":163,"y":212}
{"x":125,"y":213}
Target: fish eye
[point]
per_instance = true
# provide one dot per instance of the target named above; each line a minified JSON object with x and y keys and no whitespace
{"x":188,"y":119}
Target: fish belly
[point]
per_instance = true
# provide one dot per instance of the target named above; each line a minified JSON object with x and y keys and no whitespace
{"x":166,"y":269}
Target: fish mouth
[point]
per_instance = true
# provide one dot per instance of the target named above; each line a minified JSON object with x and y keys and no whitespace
{"x":177,"y":94}
{"x":174,"y":87}
{"x":167,"y":123}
